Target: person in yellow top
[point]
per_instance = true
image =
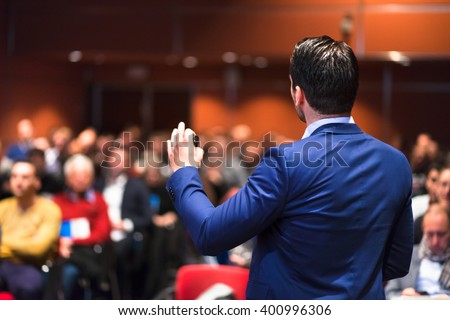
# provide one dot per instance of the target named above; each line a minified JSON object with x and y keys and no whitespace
{"x":29,"y":231}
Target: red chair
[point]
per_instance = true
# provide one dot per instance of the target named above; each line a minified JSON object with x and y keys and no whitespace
{"x":6,"y":296}
{"x":194,"y":279}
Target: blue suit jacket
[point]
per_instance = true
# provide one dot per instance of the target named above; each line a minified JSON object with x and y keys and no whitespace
{"x":331,"y":212}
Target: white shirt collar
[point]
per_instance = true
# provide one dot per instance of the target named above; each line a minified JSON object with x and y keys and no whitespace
{"x":315,"y":125}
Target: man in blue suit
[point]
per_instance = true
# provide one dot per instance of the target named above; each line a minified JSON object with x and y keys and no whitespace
{"x":331,"y":212}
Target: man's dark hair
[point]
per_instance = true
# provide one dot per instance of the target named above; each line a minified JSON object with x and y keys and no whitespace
{"x":327,"y":71}
{"x":36,"y":152}
{"x":437,"y":165}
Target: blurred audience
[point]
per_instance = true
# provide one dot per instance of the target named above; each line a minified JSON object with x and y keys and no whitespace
{"x":84,"y":143}
{"x":157,"y":151}
{"x":131,"y":217}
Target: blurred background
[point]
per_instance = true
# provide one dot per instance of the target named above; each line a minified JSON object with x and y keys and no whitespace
{"x":108,"y":64}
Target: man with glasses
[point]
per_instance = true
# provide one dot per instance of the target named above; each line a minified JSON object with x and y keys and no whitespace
{"x":430,"y":266}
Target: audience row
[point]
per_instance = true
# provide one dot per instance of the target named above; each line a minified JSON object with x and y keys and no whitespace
{"x":88,"y":216}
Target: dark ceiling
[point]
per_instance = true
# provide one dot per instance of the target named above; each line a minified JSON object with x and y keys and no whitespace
{"x":165,"y":31}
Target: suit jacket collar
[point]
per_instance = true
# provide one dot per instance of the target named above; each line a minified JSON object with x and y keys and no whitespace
{"x":338,"y":128}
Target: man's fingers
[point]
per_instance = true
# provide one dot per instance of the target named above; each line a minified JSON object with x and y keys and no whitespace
{"x":189,"y":135}
{"x":181,"y":129}
{"x":182,"y":150}
{"x":181,"y":134}
{"x":173,"y":138}
{"x":169,"y":148}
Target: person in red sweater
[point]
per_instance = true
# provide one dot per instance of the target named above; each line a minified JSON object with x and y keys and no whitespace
{"x":85,"y":228}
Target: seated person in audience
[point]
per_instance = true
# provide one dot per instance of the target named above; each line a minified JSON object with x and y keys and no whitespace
{"x":420,"y":203}
{"x":85,"y":228}
{"x":29,"y":230}
{"x":424,"y":152}
{"x":129,"y":212}
{"x":17,"y":151}
{"x":442,"y":194}
{"x":50,"y":184}
{"x":429,"y":272}
{"x":56,"y":154}
{"x":166,"y":240}
{"x":443,"y":187}
{"x":25,"y":135}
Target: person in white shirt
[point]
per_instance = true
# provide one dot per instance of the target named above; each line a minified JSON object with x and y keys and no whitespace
{"x":130,"y":216}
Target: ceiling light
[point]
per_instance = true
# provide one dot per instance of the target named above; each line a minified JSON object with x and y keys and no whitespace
{"x":75,"y":56}
{"x":190,"y":62}
{"x":137,"y":72}
{"x":229,"y":57}
{"x":399,"y":58}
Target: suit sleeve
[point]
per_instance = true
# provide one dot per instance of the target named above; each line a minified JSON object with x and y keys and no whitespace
{"x":397,"y":257}
{"x":247,"y":213}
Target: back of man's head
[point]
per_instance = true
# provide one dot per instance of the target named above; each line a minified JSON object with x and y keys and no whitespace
{"x":327,"y":71}
{"x":37,"y":158}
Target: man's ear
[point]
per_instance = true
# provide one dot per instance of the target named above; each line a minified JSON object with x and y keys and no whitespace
{"x":298,"y":95}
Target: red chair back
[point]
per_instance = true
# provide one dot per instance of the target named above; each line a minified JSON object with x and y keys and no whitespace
{"x":194,"y":279}
{"x":6,"y":296}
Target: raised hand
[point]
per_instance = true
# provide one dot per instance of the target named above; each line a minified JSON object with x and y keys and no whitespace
{"x":181,"y":149}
